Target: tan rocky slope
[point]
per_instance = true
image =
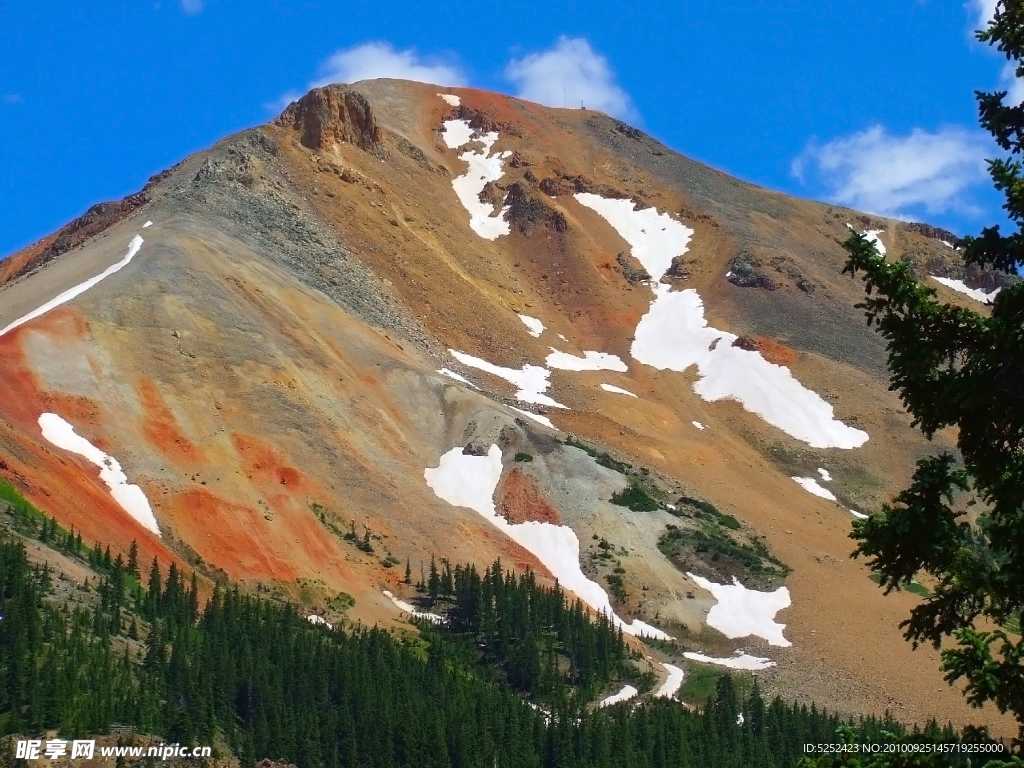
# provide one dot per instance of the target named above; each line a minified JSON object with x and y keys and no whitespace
{"x":265,"y":369}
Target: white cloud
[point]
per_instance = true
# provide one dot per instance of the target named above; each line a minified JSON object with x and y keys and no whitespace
{"x":980,"y":13}
{"x":13,"y":98}
{"x":1013,"y":85}
{"x":889,"y":175}
{"x":568,"y":73}
{"x":380,"y":59}
{"x":377,"y":59}
{"x":192,"y":7}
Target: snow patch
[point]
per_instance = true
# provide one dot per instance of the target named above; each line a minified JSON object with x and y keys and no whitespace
{"x":656,"y":238}
{"x":616,"y":390}
{"x":130,"y":497}
{"x":404,"y":606}
{"x":483,"y":168}
{"x":316,"y":619}
{"x":453,"y":375}
{"x":872,"y":235}
{"x":698,"y":425}
{"x":627,"y":693}
{"x":147,"y":224}
{"x":451,"y":99}
{"x":810,"y":485}
{"x":591,"y":361}
{"x":825,"y":475}
{"x":456,"y":133}
{"x":948,"y":245}
{"x":536,"y":417}
{"x":469,"y":481}
{"x":741,"y":612}
{"x":975,"y":293}
{"x":674,"y":335}
{"x":671,"y":685}
{"x":534,"y":326}
{"x":532,"y":380}
{"x":858,"y":515}
{"x":739,"y":661}
{"x":70,"y":293}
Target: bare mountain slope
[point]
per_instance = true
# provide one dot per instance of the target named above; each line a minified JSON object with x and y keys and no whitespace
{"x":265,"y":368}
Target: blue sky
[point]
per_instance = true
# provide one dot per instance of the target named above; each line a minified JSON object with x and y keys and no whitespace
{"x":868,"y":103}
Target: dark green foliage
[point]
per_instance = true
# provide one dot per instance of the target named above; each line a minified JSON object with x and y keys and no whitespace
{"x":601,"y":457}
{"x":708,"y":511}
{"x":523,"y":457}
{"x":533,"y":638}
{"x":636,"y":498}
{"x":955,"y":367}
{"x":616,"y":586}
{"x":704,"y":506}
{"x":752,"y":556}
{"x":269,"y":683}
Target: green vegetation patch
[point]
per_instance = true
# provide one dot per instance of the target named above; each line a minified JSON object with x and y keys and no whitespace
{"x":721,"y":550}
{"x":636,"y":498}
{"x":523,"y":457}
{"x":601,"y":457}
{"x":910,"y":586}
{"x":707,"y":511}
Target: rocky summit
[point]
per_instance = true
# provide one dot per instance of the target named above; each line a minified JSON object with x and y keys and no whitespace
{"x":402,"y":324}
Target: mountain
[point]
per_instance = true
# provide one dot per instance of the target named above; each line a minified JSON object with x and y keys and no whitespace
{"x":301,"y":359}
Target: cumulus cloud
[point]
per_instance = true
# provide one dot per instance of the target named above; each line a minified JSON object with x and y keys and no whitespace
{"x":568,"y":73}
{"x":1013,"y":85}
{"x":980,"y":13}
{"x":380,"y":59}
{"x":877,"y":172}
{"x":377,"y":59}
{"x":192,"y":7}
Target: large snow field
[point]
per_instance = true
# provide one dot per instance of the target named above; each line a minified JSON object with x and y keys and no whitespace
{"x":741,"y":612}
{"x":70,"y":293}
{"x":483,"y":168}
{"x":627,"y":693}
{"x":616,"y":390}
{"x":656,"y":238}
{"x":675,"y":335}
{"x":591,"y":361}
{"x":532,"y":380}
{"x":534,"y":327}
{"x":811,"y":485}
{"x":975,"y":293}
{"x":404,"y":606}
{"x":671,"y":685}
{"x":739,"y":661}
{"x":469,"y":481}
{"x":130,"y":497}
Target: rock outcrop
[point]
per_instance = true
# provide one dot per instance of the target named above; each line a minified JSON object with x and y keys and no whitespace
{"x":333,"y":114}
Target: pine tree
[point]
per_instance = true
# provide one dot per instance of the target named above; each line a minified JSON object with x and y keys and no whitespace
{"x":956,"y":367}
{"x":133,"y":560}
